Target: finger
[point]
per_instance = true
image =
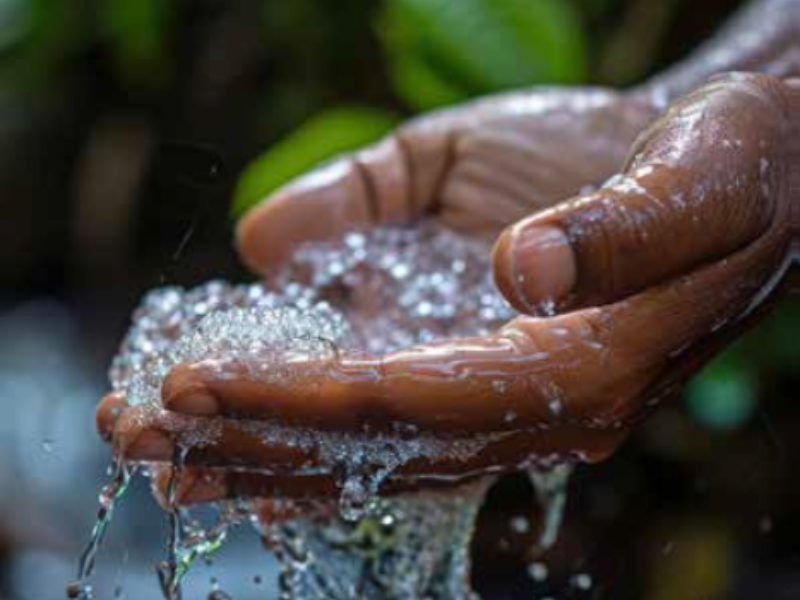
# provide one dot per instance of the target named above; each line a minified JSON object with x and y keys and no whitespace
{"x":701,"y":185}
{"x":477,"y":167}
{"x":197,"y":485}
{"x":108,"y":412}
{"x":147,"y":434}
{"x":202,"y":485}
{"x":372,"y":186}
{"x":586,"y":368}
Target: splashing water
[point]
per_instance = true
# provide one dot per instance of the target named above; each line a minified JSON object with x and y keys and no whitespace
{"x":110,"y":495}
{"x":188,"y":539}
{"x":375,"y":292}
{"x":550,"y":486}
{"x":407,"y":548}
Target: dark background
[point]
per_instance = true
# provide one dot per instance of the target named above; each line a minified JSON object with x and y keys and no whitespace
{"x":125,"y":126}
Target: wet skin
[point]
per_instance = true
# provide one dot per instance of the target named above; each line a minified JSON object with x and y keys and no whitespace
{"x":650,"y":276}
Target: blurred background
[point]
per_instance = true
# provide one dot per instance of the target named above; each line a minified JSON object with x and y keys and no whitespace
{"x":134,"y":132}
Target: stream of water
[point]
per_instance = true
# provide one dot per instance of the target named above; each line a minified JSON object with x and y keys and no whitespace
{"x":375,"y":292}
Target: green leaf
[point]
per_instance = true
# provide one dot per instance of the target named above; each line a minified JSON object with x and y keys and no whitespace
{"x":320,"y":138}
{"x":480,"y":46}
{"x":422,"y":86}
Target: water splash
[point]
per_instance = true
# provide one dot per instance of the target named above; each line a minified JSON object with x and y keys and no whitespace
{"x":110,"y":496}
{"x":410,"y":547}
{"x":377,"y":291}
{"x":189,"y":540}
{"x":550,"y":486}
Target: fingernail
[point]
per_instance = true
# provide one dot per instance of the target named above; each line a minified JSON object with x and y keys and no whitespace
{"x":538,"y":265}
{"x":150,"y":445}
{"x":198,"y":403}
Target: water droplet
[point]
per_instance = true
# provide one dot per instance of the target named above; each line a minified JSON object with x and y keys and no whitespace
{"x":538,"y":571}
{"x":582,"y":581}
{"x":520,"y":525}
{"x":551,"y":491}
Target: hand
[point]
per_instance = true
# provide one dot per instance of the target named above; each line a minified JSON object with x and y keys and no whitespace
{"x":649,"y":275}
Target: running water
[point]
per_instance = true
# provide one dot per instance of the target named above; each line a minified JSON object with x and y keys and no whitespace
{"x":407,"y":548}
{"x":550,"y":486}
{"x":111,"y":494}
{"x":375,"y":292}
{"x":188,"y":539}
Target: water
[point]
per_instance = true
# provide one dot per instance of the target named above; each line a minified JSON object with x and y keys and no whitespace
{"x":407,"y":548}
{"x":188,"y":539}
{"x":110,"y":495}
{"x":550,"y":486}
{"x":374,"y":292}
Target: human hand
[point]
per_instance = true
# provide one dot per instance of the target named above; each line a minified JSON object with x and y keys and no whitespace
{"x":648,"y":276}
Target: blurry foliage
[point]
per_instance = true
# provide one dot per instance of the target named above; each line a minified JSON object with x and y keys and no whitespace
{"x":439,"y":52}
{"x":327,"y":134}
{"x":725,"y":395}
{"x":137,"y":31}
{"x":38,"y":37}
{"x":727,"y":392}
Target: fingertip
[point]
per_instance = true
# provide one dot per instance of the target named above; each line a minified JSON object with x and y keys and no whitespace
{"x":108,"y":412}
{"x":534,"y":265}
{"x":150,"y":445}
{"x":184,"y":391}
{"x":318,"y":206}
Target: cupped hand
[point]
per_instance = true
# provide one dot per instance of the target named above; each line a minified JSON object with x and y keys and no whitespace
{"x":647,"y":277}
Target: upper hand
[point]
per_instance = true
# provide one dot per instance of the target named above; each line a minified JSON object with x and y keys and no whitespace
{"x":649,"y":275}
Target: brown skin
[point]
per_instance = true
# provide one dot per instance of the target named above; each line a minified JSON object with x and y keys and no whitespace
{"x":649,"y":275}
